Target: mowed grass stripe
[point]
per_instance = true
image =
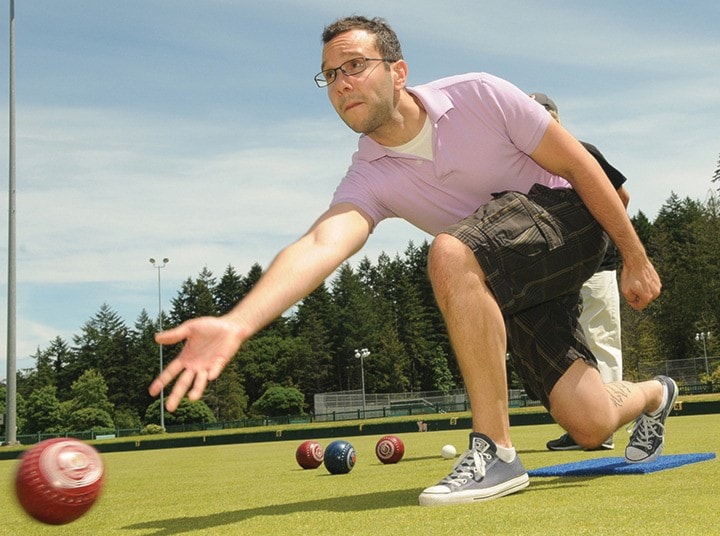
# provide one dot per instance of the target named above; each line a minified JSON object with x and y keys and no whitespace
{"x":259,"y":489}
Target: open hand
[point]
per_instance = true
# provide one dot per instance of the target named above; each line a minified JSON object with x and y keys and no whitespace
{"x":210,"y":344}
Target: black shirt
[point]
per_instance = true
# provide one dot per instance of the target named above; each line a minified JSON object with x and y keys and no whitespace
{"x":612,"y":256}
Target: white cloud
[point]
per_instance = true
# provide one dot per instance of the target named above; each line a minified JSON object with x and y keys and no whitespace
{"x":195,"y":133}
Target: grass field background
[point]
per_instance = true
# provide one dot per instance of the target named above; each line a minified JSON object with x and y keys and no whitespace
{"x":258,"y":489}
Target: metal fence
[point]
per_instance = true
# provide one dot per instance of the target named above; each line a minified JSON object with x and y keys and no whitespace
{"x":683,"y":371}
{"x":328,"y":406}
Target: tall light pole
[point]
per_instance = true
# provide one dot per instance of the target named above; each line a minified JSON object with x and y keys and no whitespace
{"x":160,"y":327}
{"x":11,"y":398}
{"x":361,"y":355}
{"x":704,"y":336}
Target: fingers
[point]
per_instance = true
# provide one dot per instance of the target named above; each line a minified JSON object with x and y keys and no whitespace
{"x":199,"y":385}
{"x":165,"y":377}
{"x":181,"y":387}
{"x":192,"y":382}
{"x":209,"y":345}
{"x":216,"y":369}
{"x":639,"y":300}
{"x":174,"y":368}
{"x":171,"y":336}
{"x":635,"y":302}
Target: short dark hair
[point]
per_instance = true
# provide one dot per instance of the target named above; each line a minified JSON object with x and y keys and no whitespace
{"x":386,"y":39}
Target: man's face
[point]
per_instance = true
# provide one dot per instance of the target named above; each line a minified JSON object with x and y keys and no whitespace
{"x":364,"y":101}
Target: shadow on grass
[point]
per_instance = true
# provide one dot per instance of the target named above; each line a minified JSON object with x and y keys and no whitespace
{"x":563,"y":482}
{"x":532,"y":451}
{"x":419,"y":458}
{"x":356,"y":503}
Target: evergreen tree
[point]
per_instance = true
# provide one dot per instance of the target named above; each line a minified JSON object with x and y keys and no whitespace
{"x":312,"y":324}
{"x":641,"y":339}
{"x":252,"y":277}
{"x":43,"y":374}
{"x":387,"y":307}
{"x":644,"y":230}
{"x":435,"y":332}
{"x":675,"y":241}
{"x":441,"y":376}
{"x":226,"y":396}
{"x":194,"y":299}
{"x":144,"y":366}
{"x":229,"y":290}
{"x":65,"y":366}
{"x":264,"y":360}
{"x":386,"y":367}
{"x":277,"y":327}
{"x":352,"y":327}
{"x":707,"y":268}
{"x":90,"y":392}
{"x":105,"y":345}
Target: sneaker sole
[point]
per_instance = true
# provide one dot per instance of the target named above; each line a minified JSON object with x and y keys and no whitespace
{"x":460,"y":497}
{"x":573,"y":447}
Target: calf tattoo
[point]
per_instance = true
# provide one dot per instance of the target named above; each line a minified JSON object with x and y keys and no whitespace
{"x":618,"y":391}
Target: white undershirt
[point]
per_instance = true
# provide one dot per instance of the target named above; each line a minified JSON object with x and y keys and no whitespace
{"x":420,"y":145}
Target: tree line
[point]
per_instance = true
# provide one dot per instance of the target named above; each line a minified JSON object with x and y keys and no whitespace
{"x":100,"y":378}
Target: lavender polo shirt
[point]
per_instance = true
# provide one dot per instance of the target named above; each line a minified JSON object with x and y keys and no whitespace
{"x":484,"y":128}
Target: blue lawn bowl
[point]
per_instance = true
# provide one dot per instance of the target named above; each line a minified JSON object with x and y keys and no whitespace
{"x":340,"y":457}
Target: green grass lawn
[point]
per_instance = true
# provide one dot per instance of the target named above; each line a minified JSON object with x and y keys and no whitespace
{"x":257,"y":488}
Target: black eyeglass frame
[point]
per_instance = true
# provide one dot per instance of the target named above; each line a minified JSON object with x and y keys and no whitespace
{"x":322,"y":81}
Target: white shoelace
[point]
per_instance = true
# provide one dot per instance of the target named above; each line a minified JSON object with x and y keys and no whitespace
{"x":643,"y":431}
{"x":464,"y":471}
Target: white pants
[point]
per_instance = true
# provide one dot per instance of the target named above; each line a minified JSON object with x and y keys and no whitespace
{"x":600,"y":320}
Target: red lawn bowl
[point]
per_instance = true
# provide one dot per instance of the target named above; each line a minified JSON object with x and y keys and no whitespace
{"x":309,"y":455}
{"x":389,"y":449}
{"x":59,"y":480}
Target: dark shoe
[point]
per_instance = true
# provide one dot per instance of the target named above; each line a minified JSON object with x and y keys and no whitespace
{"x":564,"y":442}
{"x":648,"y":436}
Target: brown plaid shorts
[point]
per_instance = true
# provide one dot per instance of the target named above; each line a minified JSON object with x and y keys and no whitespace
{"x":536,"y":251}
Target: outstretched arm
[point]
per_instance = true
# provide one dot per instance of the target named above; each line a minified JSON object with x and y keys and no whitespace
{"x":211,"y":342}
{"x":561,"y":154}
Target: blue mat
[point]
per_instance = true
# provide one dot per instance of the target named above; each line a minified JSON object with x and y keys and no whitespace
{"x":618,"y":466}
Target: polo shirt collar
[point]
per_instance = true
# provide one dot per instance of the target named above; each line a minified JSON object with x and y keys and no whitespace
{"x":436,"y":104}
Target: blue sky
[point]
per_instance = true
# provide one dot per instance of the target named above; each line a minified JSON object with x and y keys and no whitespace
{"x":193,"y":130}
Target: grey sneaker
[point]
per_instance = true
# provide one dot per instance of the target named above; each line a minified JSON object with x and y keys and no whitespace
{"x":478,"y":475}
{"x":648,"y":436}
{"x":566,"y":442}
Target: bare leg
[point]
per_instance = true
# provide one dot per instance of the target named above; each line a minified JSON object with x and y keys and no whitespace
{"x":591,"y":411}
{"x":477,"y":333}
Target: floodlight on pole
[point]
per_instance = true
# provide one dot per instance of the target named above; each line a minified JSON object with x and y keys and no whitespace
{"x":704,"y":336}
{"x":361,"y":355}
{"x":160,"y":327}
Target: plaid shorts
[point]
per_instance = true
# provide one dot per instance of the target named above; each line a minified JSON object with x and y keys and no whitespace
{"x":536,"y":251}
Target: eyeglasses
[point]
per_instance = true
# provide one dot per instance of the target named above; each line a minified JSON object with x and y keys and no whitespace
{"x":349,"y":68}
